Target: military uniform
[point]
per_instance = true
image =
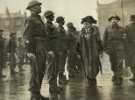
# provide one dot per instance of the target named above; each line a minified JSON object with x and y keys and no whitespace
{"x":62,"y":52}
{"x":114,"y":46}
{"x":130,"y":47}
{"x":74,"y":63}
{"x":53,"y":57}
{"x":2,"y":54}
{"x":35,"y":36}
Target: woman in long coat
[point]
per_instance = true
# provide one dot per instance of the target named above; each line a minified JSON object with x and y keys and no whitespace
{"x":91,"y":47}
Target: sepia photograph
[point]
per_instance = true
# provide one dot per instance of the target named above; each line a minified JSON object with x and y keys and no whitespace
{"x":67,"y":49}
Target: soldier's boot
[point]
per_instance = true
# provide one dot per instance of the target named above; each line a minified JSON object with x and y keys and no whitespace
{"x":118,"y":81}
{"x":53,"y":87}
{"x":1,"y":74}
{"x":62,"y":79}
{"x":114,"y":78}
{"x":133,"y":78}
{"x":13,"y":72}
{"x":92,"y":82}
{"x":38,"y":97}
{"x":21,"y":68}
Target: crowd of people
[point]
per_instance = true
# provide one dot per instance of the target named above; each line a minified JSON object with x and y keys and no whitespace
{"x":49,"y":47}
{"x":12,"y":53}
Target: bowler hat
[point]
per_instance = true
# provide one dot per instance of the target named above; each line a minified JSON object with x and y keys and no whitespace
{"x":88,"y":19}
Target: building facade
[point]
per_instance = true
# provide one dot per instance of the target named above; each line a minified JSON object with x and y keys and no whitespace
{"x":12,"y":22}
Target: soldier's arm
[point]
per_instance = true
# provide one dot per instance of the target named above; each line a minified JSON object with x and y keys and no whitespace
{"x":29,"y":26}
{"x":105,"y":38}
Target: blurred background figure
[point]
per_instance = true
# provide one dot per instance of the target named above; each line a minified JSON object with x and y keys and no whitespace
{"x":130,"y":46}
{"x":20,"y":53}
{"x":12,"y":46}
{"x":2,"y":53}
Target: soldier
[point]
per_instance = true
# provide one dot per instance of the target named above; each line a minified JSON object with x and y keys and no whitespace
{"x":114,"y":47}
{"x":35,"y":36}
{"x":52,"y":52}
{"x":74,"y":63}
{"x":62,"y":48}
{"x":12,"y":46}
{"x":2,"y":53}
{"x":91,"y":48}
{"x":130,"y":47}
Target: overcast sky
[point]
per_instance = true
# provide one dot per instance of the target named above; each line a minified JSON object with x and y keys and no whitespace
{"x":73,"y":10}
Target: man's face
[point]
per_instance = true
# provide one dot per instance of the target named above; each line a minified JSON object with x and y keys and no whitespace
{"x":51,"y":18}
{"x":114,"y":21}
{"x":36,"y":9}
{"x":62,"y":23}
{"x":87,"y":25}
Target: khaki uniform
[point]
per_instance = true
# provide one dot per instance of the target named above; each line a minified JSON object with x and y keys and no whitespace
{"x":74,"y":63}
{"x":114,"y":46}
{"x":36,"y":35}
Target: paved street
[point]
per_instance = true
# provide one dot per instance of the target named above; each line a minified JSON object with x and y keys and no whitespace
{"x":16,"y":88}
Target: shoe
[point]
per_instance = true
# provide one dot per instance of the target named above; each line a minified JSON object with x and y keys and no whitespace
{"x":44,"y":98}
{"x":113,"y":78}
{"x":118,"y":82}
{"x":132,"y":79}
{"x":39,"y":97}
{"x":2,"y":76}
{"x":56,"y":89}
{"x":62,"y":80}
{"x":92,"y":82}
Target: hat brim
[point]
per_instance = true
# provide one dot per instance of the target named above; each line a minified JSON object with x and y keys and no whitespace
{"x":89,"y":21}
{"x":117,"y":18}
{"x":34,"y":5}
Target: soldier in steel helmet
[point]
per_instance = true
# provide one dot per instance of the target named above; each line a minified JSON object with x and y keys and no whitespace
{"x":62,"y":48}
{"x":114,"y":47}
{"x":74,"y":61}
{"x":35,"y":37}
{"x":52,"y":48}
